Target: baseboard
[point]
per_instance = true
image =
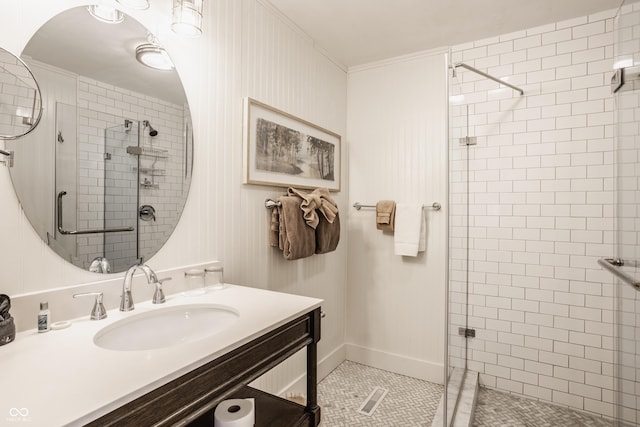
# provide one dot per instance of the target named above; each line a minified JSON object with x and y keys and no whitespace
{"x":325,"y":366}
{"x":411,"y":367}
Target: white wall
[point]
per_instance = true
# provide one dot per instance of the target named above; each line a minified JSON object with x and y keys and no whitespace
{"x":397,"y":130}
{"x":541,"y":210}
{"x":247,"y":49}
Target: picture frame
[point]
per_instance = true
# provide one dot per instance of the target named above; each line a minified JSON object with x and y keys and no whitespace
{"x":286,"y":151}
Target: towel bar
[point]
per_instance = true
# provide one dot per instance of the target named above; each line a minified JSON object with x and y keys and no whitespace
{"x":435,"y":206}
{"x":270,"y":204}
{"x":76,"y":232}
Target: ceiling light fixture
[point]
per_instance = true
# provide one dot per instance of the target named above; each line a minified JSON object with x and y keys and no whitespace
{"x":154,"y":56}
{"x":135,"y":4}
{"x":187,"y":17}
{"x":107,"y":14}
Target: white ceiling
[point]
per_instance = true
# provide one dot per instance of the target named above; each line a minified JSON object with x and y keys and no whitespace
{"x":75,"y":41}
{"x":352,"y":32}
{"x":360,"y":31}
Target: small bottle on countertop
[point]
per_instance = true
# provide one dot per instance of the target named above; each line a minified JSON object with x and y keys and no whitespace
{"x":44,"y":318}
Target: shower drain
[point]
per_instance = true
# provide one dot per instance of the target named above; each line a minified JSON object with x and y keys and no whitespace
{"x":369,"y":406}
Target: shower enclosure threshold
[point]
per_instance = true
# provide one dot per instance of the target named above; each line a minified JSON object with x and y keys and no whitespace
{"x":467,"y":398}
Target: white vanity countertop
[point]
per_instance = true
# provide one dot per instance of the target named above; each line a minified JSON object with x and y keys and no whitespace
{"x":62,"y":378}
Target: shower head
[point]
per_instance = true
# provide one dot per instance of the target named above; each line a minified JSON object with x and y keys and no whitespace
{"x":152,"y":131}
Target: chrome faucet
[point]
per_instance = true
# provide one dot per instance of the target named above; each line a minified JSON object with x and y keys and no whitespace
{"x":126,"y":301}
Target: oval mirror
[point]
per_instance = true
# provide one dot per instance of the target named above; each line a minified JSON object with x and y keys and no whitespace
{"x":104,"y":178}
{"x":20,"y":98}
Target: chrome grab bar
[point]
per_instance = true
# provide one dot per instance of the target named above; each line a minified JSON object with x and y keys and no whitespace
{"x":76,"y":232}
{"x":614,"y":265}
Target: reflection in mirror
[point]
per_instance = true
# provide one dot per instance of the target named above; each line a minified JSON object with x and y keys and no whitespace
{"x":20,"y":99}
{"x":104,"y":178}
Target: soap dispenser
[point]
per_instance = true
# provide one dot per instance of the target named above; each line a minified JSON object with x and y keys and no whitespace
{"x":44,"y":317}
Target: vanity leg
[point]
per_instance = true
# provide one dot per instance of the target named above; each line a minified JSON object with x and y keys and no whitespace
{"x":312,"y":370}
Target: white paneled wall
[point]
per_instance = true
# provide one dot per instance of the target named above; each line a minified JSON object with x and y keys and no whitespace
{"x":541,"y":210}
{"x":397,"y":131}
{"x":281,"y":68}
{"x":247,"y":49}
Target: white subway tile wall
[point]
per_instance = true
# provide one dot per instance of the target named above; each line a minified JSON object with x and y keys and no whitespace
{"x":540,"y":212}
{"x":161,"y":183}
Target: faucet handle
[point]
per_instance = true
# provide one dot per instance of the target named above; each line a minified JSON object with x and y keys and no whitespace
{"x":158,"y":294}
{"x":98,"y":312}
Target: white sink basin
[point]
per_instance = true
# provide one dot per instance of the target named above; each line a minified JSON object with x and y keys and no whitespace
{"x":166,"y":327}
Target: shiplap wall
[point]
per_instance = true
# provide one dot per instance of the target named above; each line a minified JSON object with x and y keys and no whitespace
{"x":397,"y":128}
{"x":247,"y":49}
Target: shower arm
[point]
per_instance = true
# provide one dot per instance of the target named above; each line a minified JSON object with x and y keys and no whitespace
{"x":489,"y":76}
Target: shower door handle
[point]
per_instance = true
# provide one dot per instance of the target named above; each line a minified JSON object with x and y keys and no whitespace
{"x":614,"y":265}
{"x":76,"y":232}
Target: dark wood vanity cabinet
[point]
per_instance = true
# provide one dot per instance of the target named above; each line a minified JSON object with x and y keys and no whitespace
{"x":191,"y":399}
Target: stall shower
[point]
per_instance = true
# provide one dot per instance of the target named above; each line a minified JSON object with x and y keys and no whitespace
{"x":113,"y":190}
{"x":460,"y":382}
{"x":543,"y":194}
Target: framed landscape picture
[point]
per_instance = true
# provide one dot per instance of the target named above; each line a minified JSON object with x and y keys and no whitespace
{"x":286,"y":151}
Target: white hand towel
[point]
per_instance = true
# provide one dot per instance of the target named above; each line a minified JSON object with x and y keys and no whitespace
{"x":409,"y":235}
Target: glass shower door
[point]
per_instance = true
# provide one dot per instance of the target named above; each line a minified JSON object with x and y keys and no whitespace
{"x":121,"y":195}
{"x":458,"y":248}
{"x":625,"y":85}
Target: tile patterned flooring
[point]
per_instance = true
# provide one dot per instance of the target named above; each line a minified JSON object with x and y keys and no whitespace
{"x":409,"y":402}
{"x":495,"y":408}
{"x":412,"y":403}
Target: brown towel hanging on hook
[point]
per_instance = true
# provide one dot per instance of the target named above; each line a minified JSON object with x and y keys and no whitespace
{"x":327,"y":234}
{"x":296,"y":238}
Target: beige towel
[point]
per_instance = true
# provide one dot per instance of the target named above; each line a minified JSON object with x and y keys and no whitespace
{"x":327,"y":234}
{"x":296,"y":239}
{"x":385,"y":215}
{"x":319,"y":199}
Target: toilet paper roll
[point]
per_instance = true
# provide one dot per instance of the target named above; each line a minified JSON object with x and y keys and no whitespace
{"x":235,"y":413}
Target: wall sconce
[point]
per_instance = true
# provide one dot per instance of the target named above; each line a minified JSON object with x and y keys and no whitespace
{"x":134,"y":4}
{"x":187,"y":17}
{"x":107,"y":14}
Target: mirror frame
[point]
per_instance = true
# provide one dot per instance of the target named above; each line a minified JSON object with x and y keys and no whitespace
{"x":39,"y":94}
